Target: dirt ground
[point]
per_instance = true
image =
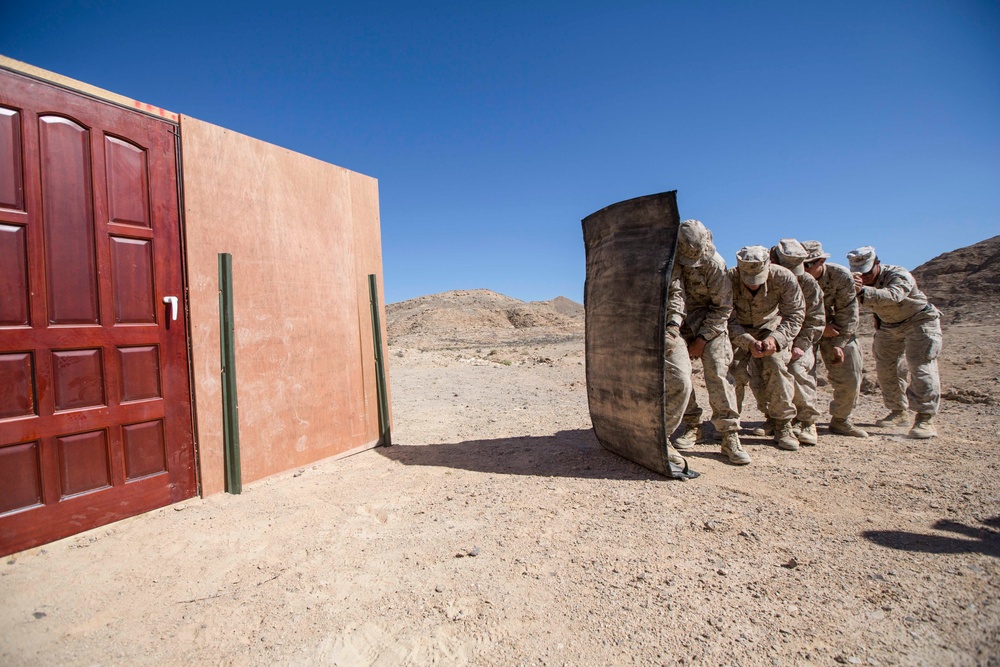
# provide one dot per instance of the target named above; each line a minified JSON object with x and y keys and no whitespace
{"x":497,"y":531}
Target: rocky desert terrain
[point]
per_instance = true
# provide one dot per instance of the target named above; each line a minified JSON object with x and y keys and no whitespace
{"x":497,"y":531}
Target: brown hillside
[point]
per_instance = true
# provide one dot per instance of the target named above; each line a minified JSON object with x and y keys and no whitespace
{"x":448,"y":318}
{"x":562,"y":305}
{"x":964,"y":283}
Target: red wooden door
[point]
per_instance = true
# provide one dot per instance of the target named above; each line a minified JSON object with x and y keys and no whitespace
{"x":95,"y":406}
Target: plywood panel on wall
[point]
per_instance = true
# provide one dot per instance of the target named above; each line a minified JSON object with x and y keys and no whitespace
{"x":304,"y":235}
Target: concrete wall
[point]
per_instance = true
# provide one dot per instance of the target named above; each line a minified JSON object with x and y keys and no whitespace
{"x":304,"y":235}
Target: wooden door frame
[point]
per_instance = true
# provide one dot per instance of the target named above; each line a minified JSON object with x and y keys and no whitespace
{"x":95,"y":95}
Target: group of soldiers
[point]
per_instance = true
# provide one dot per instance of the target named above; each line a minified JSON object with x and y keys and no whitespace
{"x":763,"y":322}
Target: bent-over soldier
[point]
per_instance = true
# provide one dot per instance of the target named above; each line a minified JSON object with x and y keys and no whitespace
{"x":790,"y":254}
{"x":907,"y":325}
{"x":768,"y":311}
{"x":839,"y":347}
{"x":708,"y":301}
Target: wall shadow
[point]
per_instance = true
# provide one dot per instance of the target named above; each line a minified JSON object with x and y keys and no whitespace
{"x":982,"y":540}
{"x":574,"y":453}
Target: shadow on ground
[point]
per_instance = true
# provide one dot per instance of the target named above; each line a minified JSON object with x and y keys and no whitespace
{"x":974,"y":540}
{"x":574,"y":453}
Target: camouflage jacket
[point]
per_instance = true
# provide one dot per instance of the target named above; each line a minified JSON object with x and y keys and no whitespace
{"x":815,"y":318}
{"x":895,"y":297}
{"x":777,"y":308}
{"x":708,"y":297}
{"x":840,"y":301}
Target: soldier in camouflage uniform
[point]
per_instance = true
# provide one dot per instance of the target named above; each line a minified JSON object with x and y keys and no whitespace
{"x":907,"y":325}
{"x":768,"y":311}
{"x":790,"y":254}
{"x":839,"y":346}
{"x":677,"y":365}
{"x":708,"y":300}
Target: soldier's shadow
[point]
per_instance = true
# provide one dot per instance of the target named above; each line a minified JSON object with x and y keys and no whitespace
{"x":983,"y":540}
{"x":575,"y":453}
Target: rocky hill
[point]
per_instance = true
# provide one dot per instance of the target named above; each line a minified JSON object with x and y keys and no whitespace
{"x":964,"y":283}
{"x":562,"y":305}
{"x":466,"y":316}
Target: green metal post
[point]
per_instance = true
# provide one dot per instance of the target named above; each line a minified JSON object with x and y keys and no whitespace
{"x":383,"y":395}
{"x":230,"y":406}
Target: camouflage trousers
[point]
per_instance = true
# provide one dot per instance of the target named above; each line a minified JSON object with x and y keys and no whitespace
{"x":845,"y":377}
{"x":920,"y":344}
{"x":715,"y":361}
{"x":803,"y":371}
{"x":676,"y":379}
{"x":770,"y":381}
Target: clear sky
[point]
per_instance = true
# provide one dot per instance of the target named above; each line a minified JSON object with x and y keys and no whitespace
{"x":493,"y":128}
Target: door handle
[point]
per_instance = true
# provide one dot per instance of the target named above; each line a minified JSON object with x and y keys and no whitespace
{"x":172,"y":300}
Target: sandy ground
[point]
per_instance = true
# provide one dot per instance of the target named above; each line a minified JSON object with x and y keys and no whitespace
{"x":497,"y":531}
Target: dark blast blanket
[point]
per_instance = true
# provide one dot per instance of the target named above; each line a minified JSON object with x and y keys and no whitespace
{"x":630,"y":252}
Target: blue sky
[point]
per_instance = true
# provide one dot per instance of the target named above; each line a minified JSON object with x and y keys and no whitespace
{"x":493,"y":128}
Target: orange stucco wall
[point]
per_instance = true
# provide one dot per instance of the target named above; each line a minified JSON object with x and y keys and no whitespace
{"x":304,"y":235}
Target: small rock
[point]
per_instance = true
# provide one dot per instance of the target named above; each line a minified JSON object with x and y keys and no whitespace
{"x":791,"y":564}
{"x":721,"y":572}
{"x":474,"y":551}
{"x":299,"y":473}
{"x":439,"y":588}
{"x":39,"y":614}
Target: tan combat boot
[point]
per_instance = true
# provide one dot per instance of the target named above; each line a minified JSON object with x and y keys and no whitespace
{"x":674,"y":457}
{"x":685,"y":441}
{"x":767,"y":428}
{"x":732,"y":448}
{"x":784,"y":436}
{"x":806,"y":433}
{"x":894,"y":418}
{"x":846,"y":427}
{"x":923,"y":427}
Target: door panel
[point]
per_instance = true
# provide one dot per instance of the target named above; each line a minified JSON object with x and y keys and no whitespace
{"x":11,"y":192}
{"x":95,"y":407}
{"x":14,"y":277}
{"x":68,"y":221}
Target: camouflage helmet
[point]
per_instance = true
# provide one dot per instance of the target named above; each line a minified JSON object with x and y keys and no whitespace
{"x":862,"y":259}
{"x":694,"y":243}
{"x":815,"y":251}
{"x":754,"y":262}
{"x":791,"y":254}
